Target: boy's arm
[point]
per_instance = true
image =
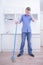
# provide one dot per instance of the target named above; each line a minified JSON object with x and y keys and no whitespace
{"x":19,"y":21}
{"x":32,"y":18}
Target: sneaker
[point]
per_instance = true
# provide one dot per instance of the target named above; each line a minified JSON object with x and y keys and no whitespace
{"x":19,"y":55}
{"x":31,"y":55}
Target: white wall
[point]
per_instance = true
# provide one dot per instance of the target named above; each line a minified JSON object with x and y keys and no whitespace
{"x":41,"y":27}
{"x":15,"y":7}
{"x":10,"y":7}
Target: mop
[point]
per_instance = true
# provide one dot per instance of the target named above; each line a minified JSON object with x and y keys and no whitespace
{"x":13,"y":52}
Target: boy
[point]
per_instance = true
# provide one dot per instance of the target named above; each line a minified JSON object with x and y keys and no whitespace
{"x":26,"y":31}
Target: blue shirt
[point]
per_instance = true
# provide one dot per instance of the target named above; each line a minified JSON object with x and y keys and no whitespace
{"x":26,"y":20}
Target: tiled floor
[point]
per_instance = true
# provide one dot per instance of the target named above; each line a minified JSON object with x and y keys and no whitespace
{"x":5,"y":59}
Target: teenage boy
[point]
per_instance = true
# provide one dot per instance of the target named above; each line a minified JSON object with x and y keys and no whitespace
{"x":26,"y":31}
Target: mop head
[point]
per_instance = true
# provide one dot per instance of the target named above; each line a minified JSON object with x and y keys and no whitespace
{"x":13,"y":58}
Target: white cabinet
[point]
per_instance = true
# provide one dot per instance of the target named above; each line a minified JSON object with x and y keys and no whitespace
{"x":36,"y":41}
{"x":7,"y":42}
{"x":41,"y":37}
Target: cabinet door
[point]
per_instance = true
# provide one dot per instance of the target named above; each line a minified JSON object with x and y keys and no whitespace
{"x":35,"y":42}
{"x":41,"y":38}
{"x":7,"y":42}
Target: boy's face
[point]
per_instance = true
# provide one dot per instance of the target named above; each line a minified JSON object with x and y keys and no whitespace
{"x":27,"y":12}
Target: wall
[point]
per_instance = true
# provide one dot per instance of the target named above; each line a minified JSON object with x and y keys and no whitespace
{"x":41,"y":28}
{"x":15,"y":7}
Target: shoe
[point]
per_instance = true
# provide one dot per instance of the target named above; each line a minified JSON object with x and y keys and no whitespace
{"x":31,"y":55}
{"x":19,"y":55}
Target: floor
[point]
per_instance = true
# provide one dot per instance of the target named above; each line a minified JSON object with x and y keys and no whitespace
{"x":5,"y":59}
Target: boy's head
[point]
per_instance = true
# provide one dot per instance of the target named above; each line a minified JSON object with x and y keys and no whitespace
{"x":27,"y":10}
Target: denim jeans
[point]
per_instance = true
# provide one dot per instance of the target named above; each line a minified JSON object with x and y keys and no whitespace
{"x":24,"y":35}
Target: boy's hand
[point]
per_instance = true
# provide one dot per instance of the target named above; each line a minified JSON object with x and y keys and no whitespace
{"x":17,"y":22}
{"x":32,"y":18}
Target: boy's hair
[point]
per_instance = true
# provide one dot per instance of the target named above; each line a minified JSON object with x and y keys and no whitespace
{"x":28,"y":8}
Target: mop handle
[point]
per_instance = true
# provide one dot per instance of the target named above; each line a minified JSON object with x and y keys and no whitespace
{"x":15,"y":37}
{"x":13,"y":57}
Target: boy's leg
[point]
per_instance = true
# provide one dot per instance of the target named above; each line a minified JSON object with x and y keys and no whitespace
{"x":22,"y":43}
{"x":29,"y":42}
